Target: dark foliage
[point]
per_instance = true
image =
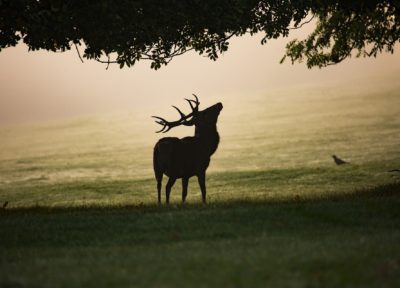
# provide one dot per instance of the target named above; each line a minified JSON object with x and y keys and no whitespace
{"x":126,"y":31}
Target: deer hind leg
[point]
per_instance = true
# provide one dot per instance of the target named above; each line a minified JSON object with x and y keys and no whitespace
{"x":202,"y":182}
{"x":185,"y":182}
{"x":171,"y":182}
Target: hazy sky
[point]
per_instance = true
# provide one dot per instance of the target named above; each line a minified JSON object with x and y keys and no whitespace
{"x":45,"y":86}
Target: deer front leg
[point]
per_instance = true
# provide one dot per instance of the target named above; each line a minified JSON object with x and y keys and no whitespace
{"x":159,"y":181}
{"x":202,"y":182}
{"x":185,"y":182}
{"x":171,"y":182}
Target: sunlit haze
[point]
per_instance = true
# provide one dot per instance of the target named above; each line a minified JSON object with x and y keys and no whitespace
{"x":44,"y":86}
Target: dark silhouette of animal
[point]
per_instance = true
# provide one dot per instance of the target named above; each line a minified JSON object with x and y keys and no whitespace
{"x":188,"y":156}
{"x":395,"y":172}
{"x":338,"y":161}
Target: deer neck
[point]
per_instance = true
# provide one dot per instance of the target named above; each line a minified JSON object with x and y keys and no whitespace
{"x":209,"y":139}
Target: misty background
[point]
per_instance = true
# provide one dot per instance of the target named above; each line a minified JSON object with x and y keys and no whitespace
{"x":42,"y":86}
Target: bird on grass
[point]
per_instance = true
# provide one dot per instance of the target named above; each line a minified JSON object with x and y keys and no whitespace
{"x":5,"y":204}
{"x":338,"y":161}
{"x":394,"y":172}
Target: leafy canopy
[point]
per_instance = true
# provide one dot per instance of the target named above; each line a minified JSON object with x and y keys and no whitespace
{"x":127,"y":31}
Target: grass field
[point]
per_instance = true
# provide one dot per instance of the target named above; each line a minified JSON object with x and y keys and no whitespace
{"x":81,"y":198}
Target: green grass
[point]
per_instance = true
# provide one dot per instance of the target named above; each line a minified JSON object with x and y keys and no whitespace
{"x":81,"y":199}
{"x":277,"y":184}
{"x":349,"y":241}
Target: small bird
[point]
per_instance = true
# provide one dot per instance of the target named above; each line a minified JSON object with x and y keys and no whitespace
{"x":5,"y":204}
{"x":395,"y":173}
{"x":338,"y":161}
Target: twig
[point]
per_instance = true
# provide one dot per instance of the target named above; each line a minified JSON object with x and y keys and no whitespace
{"x":108,"y":64}
{"x":79,"y":54}
{"x":302,"y":24}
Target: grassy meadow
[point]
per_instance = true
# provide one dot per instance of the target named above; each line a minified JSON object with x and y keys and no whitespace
{"x":81,"y":200}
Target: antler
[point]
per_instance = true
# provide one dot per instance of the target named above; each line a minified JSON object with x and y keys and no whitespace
{"x":184,"y":118}
{"x":196,"y":102}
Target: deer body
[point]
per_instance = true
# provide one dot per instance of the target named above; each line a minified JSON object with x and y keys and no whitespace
{"x":188,"y":156}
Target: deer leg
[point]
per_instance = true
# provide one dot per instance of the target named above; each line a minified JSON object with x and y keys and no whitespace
{"x":185,"y":182}
{"x":159,"y":181}
{"x":171,"y":182}
{"x":202,"y":182}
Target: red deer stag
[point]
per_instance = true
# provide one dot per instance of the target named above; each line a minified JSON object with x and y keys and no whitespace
{"x":189,"y":156}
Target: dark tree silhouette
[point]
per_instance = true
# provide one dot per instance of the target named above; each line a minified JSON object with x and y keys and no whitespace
{"x":127,"y":31}
{"x":189,"y":156}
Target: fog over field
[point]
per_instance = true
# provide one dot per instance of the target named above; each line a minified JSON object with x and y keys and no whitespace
{"x":44,"y":87}
{"x":282,"y":130}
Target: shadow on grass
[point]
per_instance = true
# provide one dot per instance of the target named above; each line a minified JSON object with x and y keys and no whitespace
{"x":382,"y":191}
{"x":357,"y":213}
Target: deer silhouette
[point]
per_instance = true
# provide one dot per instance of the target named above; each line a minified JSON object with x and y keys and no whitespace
{"x":188,"y":156}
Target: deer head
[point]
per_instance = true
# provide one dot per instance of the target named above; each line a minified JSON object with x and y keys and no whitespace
{"x":201,"y":119}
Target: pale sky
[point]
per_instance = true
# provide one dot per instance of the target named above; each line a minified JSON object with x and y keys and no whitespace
{"x":45,"y":86}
